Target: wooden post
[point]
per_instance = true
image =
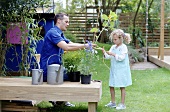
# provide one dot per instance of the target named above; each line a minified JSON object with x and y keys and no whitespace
{"x":161,"y":46}
{"x":92,"y":106}
{"x":0,"y":106}
{"x":86,"y":27}
{"x":146,"y":37}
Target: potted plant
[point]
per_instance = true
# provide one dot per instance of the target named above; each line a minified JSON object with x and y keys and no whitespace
{"x":71,"y":62}
{"x":87,"y":64}
{"x":90,"y":56}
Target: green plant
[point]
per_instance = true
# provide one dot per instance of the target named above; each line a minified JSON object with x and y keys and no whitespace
{"x":70,"y":36}
{"x":20,"y":13}
{"x":135,"y":55}
{"x":44,"y":104}
{"x":88,"y":60}
{"x":72,"y":60}
{"x":108,"y":24}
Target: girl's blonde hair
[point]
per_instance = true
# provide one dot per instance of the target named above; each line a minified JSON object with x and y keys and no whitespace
{"x":120,"y":33}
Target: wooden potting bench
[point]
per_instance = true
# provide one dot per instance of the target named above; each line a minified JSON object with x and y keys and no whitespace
{"x":22,"y":89}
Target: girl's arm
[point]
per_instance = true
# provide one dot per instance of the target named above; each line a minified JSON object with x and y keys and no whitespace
{"x":122,"y":55}
{"x":118,"y":57}
{"x":108,"y":54}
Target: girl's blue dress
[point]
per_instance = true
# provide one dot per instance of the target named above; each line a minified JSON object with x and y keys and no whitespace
{"x":120,"y":74}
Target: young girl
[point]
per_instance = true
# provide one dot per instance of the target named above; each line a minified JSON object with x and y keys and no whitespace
{"x":120,"y":75}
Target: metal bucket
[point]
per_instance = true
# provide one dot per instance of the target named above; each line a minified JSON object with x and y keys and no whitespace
{"x":54,"y":74}
{"x":37,"y":77}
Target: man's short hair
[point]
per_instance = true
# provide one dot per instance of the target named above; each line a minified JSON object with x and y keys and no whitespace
{"x":59,"y":16}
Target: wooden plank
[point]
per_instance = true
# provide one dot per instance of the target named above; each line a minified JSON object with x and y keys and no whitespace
{"x":83,"y":16}
{"x":157,"y":37}
{"x":157,"y":40}
{"x":162,"y":63}
{"x":18,"y":106}
{"x":21,"y":89}
{"x":77,"y":13}
{"x":154,"y":51}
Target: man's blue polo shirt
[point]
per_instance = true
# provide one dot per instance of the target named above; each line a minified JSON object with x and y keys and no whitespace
{"x":50,"y":51}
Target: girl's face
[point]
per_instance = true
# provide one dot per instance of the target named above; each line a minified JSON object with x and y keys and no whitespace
{"x":117,"y":40}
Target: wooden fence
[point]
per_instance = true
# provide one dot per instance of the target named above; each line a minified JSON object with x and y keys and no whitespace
{"x":81,"y":23}
{"x":153,"y":28}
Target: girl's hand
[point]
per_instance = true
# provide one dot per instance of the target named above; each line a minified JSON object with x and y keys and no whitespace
{"x":110,"y":53}
{"x":103,"y":50}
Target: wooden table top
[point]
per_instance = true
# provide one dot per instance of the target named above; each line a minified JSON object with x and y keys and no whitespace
{"x":22,"y":89}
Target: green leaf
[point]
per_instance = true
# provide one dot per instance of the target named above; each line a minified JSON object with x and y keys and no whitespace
{"x":105,"y":24}
{"x":97,"y":37}
{"x":104,"y":16}
{"x":111,"y":25}
{"x":94,"y":30}
{"x":113,"y":16}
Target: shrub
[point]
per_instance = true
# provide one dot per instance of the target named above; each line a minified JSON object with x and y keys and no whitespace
{"x":70,"y":36}
{"x":71,"y":60}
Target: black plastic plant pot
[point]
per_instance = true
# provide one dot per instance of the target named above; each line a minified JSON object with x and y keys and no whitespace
{"x":85,"y":79}
{"x":74,"y":76}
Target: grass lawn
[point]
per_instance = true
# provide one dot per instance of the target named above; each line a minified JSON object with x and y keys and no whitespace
{"x":150,"y":91}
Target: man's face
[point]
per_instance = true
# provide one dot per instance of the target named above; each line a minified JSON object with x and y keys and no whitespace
{"x":64,"y":23}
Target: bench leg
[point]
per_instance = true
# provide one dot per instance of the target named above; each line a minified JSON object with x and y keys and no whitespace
{"x":0,"y":106}
{"x":92,"y":106}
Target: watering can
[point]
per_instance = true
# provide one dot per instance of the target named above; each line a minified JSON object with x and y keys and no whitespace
{"x":54,"y":73}
{"x":37,"y":77}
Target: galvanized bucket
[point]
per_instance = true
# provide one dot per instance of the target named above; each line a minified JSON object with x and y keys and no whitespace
{"x":54,"y":73}
{"x":37,"y":77}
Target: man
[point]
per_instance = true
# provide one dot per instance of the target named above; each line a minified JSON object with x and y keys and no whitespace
{"x":55,"y":44}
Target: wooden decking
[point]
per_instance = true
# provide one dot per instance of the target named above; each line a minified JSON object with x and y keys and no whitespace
{"x":153,"y":57}
{"x":162,"y":63}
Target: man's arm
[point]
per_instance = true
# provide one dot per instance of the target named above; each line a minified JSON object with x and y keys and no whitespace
{"x":72,"y":46}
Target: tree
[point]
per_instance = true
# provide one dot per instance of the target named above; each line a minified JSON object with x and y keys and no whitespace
{"x":107,"y":6}
{"x":134,"y":23}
